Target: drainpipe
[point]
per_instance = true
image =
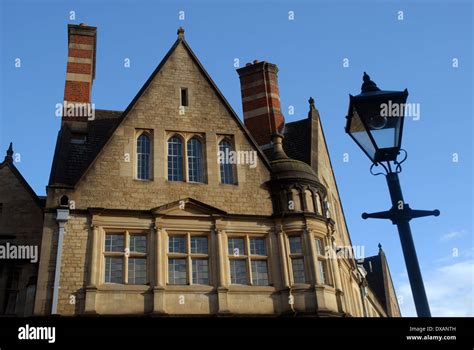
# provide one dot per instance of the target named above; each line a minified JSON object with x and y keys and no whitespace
{"x":62,"y":215}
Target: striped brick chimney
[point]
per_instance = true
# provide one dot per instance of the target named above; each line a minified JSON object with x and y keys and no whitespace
{"x":261,"y":100}
{"x":80,"y":73}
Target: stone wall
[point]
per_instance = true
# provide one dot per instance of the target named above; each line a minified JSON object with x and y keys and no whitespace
{"x":111,"y":183}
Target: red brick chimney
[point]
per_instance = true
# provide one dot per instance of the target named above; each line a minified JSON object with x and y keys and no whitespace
{"x":261,"y":100}
{"x":80,"y":73}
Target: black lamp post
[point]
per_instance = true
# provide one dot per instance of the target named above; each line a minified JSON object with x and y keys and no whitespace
{"x":375,"y":122}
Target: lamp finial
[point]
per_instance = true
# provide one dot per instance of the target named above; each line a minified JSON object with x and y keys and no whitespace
{"x":368,"y":84}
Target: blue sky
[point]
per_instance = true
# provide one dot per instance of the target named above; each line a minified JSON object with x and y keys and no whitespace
{"x":415,"y":53}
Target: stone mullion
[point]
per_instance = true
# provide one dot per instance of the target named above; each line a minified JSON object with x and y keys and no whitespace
{"x":313,"y":258}
{"x":284,"y":259}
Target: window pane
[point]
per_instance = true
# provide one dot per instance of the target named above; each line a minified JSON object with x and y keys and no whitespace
{"x":195,"y":160}
{"x":138,"y":244}
{"x":200,"y":271}
{"x":177,"y":271}
{"x":322,"y":271}
{"x":238,"y":272}
{"x":177,"y":244}
{"x":143,"y":157}
{"x":295,"y":245}
{"x":175,"y":159}
{"x":199,"y":245}
{"x":114,"y":243}
{"x":113,"y":270}
{"x":259,"y":273}
{"x":236,"y":246}
{"x":319,"y":246}
{"x":257,"y":247}
{"x":298,"y":270}
{"x":136,"y":271}
{"x":226,"y":168}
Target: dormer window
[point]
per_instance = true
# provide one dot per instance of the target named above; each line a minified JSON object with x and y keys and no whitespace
{"x":184,"y":97}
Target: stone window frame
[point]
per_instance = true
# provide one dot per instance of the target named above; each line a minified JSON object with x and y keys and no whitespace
{"x":149,"y":134}
{"x":323,"y":260}
{"x":126,"y":254}
{"x":185,"y":137}
{"x":188,"y":256}
{"x":249,"y":258}
{"x":230,"y":139}
{"x":293,"y":256}
{"x":186,"y":93}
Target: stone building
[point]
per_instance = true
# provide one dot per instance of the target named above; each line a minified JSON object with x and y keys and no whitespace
{"x":21,"y":224}
{"x":174,"y":206}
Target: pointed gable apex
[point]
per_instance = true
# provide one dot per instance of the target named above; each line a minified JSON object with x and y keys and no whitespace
{"x":187,"y":206}
{"x":9,"y":164}
{"x":180,"y":41}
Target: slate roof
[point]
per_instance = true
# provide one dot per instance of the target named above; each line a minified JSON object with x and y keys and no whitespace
{"x":375,"y":278}
{"x":297,"y":141}
{"x":71,"y":160}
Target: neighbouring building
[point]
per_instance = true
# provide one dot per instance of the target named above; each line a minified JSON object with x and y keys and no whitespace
{"x":21,"y":225}
{"x":174,"y":206}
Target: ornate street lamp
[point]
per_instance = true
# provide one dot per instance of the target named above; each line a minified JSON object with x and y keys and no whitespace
{"x":375,"y":122}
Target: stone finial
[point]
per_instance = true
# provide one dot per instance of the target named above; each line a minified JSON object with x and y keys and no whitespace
{"x":368,"y":85}
{"x":180,"y":33}
{"x":311,"y":103}
{"x":380,"y":247}
{"x":9,"y":156}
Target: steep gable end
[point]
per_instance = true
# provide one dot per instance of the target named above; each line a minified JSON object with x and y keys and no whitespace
{"x":10,"y":174}
{"x":179,"y":45}
{"x":111,"y":179}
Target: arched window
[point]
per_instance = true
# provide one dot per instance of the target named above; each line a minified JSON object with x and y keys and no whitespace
{"x":309,"y":201}
{"x":296,"y":199}
{"x":175,"y":159}
{"x":317,"y":202}
{"x":226,"y":167}
{"x":143,"y":157}
{"x":195,"y":160}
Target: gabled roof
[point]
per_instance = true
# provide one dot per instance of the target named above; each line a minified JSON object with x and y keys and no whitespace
{"x":9,"y":164}
{"x":373,"y":266}
{"x":71,"y":162}
{"x":380,"y":280}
